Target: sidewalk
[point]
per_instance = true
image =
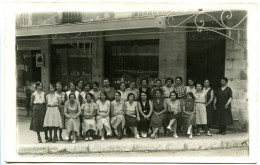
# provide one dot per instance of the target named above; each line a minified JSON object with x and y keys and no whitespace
{"x":28,"y":144}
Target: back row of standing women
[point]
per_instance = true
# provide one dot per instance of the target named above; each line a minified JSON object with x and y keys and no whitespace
{"x":91,"y":111}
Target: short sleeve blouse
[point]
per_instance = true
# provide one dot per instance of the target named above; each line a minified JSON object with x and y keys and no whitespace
{"x":39,"y":98}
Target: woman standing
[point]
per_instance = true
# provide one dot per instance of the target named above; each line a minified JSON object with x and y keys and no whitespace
{"x":223,"y":105}
{"x":110,"y":91}
{"x":72,"y":89}
{"x":52,"y":118}
{"x":188,"y":114}
{"x":174,"y":111}
{"x":132,"y":114}
{"x":103,"y":110}
{"x":201,"y":112}
{"x":79,"y":86}
{"x":89,"y":109}
{"x":191,"y":86}
{"x":145,"y":109}
{"x":209,"y":102}
{"x":133,"y":89}
{"x":168,"y":88}
{"x":86,"y":90}
{"x":95,"y":91}
{"x":123,"y":92}
{"x":38,"y":104}
{"x":117,"y":115}
{"x":62,"y":102}
{"x":72,"y":111}
{"x":145,"y":89}
{"x":158,"y":86}
{"x":158,"y":118}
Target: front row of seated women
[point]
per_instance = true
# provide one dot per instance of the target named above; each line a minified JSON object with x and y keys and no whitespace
{"x":102,"y":116}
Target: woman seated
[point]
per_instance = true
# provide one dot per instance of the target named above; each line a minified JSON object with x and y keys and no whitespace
{"x":72,"y":111}
{"x":89,"y":109}
{"x":103,"y":120}
{"x":132,"y":114}
{"x":117,"y":115}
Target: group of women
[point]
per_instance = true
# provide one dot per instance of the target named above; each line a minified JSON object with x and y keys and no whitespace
{"x":87,"y":110}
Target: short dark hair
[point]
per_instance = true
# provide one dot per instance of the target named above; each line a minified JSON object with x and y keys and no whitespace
{"x":53,"y":86}
{"x":191,"y":94}
{"x":104,"y":93}
{"x":156,"y":90}
{"x":95,"y":83}
{"x":158,"y":80}
{"x":87,"y":83}
{"x":72,"y":94}
{"x":167,"y":79}
{"x":89,"y":94}
{"x":38,"y":83}
{"x":118,"y":93}
{"x":130,"y":94}
{"x":145,"y":80}
{"x":106,"y":79}
{"x":199,"y":83}
{"x":225,"y":79}
{"x":77,"y":82}
{"x":178,"y":78}
{"x":71,"y":83}
{"x":174,"y":93}
{"x":58,"y":83}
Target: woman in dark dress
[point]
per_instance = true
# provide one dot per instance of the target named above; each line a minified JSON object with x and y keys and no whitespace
{"x":145,"y":89}
{"x":38,"y":104}
{"x":222,"y":104}
{"x":209,"y":102}
{"x":158,"y":119}
{"x":145,"y":109}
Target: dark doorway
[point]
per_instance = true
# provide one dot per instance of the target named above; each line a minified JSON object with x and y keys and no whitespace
{"x":131,"y":60}
{"x":206,"y":57}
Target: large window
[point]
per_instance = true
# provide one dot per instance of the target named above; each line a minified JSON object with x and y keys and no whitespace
{"x":131,"y":60}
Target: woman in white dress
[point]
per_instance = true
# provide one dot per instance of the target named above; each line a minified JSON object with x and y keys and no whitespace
{"x":103,"y":120}
{"x":201,"y":112}
{"x":52,"y":118}
{"x":191,"y":86}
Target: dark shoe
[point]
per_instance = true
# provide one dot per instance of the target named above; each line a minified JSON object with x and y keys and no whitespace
{"x":54,"y":140}
{"x":46,"y":138}
{"x":61,"y":139}
{"x":40,"y":140}
{"x":219,"y":132}
{"x":49,"y":140}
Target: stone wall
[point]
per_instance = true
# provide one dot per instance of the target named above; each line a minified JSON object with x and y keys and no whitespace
{"x":172,"y":54}
{"x":236,"y":72}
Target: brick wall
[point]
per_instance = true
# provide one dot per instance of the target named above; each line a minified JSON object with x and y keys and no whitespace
{"x":236,"y":71}
{"x":172,"y":54}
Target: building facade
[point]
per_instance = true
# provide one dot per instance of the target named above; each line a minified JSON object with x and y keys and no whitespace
{"x":131,"y":45}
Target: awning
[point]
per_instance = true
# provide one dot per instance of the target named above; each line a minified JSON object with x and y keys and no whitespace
{"x":157,"y":22}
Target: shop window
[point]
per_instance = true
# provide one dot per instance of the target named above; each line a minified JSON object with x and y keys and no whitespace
{"x":71,"y":17}
{"x":132,"y":60}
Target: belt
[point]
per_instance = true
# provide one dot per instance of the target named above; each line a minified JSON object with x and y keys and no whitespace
{"x":52,"y":105}
{"x":38,"y":103}
{"x":200,"y":102}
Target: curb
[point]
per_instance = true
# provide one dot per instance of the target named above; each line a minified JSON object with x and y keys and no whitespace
{"x":131,"y":145}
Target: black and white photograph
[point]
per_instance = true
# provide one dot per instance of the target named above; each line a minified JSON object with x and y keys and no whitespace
{"x":159,"y":82}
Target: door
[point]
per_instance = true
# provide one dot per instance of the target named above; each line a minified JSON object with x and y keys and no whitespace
{"x":206,"y":57}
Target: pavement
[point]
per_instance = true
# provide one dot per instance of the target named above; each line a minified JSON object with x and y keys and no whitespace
{"x":28,"y":144}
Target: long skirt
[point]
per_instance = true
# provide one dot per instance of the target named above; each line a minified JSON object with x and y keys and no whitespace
{"x":172,"y":115}
{"x":131,"y":121}
{"x":73,"y":125}
{"x":158,"y":121}
{"x":52,"y":117}
{"x":89,"y":124}
{"x":116,"y":120}
{"x":103,"y":122}
{"x":201,"y":114}
{"x":144,"y":124}
{"x":210,"y":111}
{"x":37,"y":120}
{"x":62,"y":115}
{"x":224,"y":116}
{"x":187,"y":121}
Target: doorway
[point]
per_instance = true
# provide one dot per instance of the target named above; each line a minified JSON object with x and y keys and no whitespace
{"x":206,"y":57}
